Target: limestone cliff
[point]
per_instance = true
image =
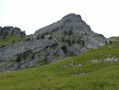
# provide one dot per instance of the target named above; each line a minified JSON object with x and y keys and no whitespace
{"x":67,"y":37}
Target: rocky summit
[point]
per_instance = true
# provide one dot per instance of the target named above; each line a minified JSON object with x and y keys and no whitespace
{"x":63,"y":39}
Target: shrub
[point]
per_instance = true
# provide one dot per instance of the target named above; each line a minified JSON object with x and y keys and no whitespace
{"x":62,"y":39}
{"x":73,"y":41}
{"x":70,"y":32}
{"x":38,"y":37}
{"x":110,"y":42}
{"x":79,"y":41}
{"x":65,"y":32}
{"x":33,"y":56}
{"x":105,"y":42}
{"x":42,"y":36}
{"x":50,"y":37}
{"x":2,"y":46}
{"x":83,"y":43}
{"x":28,"y":39}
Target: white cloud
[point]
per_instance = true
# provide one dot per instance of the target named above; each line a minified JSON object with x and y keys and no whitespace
{"x":0,"y":0}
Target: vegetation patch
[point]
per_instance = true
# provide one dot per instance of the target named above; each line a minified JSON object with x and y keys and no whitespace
{"x":76,"y":75}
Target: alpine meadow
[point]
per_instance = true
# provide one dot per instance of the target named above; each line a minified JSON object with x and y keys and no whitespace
{"x":75,"y":58}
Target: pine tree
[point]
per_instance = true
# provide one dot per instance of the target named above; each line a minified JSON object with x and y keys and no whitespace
{"x":73,"y":41}
{"x":105,"y":42}
{"x":79,"y":41}
{"x":50,"y":37}
{"x":42,"y":36}
{"x":83,"y":43}
{"x":110,"y":42}
{"x":70,"y":32}
{"x":62,"y":39}
{"x":65,"y":33}
{"x":38,"y":37}
{"x":68,"y":41}
{"x":33,"y":56}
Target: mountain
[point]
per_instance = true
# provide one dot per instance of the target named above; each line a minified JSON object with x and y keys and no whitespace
{"x":96,"y":69}
{"x":68,"y":37}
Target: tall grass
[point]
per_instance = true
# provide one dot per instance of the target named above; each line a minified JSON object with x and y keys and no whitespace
{"x":76,"y":73}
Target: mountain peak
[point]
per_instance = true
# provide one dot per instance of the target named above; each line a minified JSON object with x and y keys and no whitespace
{"x":71,"y":16}
{"x":68,"y":36}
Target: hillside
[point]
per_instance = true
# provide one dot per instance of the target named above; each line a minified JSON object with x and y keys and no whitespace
{"x":96,"y":69}
{"x":68,"y":37}
{"x":10,"y":35}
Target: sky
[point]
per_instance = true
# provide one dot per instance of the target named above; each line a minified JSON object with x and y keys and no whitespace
{"x":31,"y":15}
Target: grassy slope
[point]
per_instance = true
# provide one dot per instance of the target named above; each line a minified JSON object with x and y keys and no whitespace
{"x":10,"y":39}
{"x":89,"y":76}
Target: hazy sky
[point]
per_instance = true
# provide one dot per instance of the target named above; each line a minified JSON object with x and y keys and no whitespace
{"x":31,"y":15}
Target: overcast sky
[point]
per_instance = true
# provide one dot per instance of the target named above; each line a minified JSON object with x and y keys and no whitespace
{"x":31,"y":15}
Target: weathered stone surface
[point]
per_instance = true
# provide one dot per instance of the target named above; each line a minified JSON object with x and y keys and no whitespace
{"x":68,"y":36}
{"x":33,"y":46}
{"x":111,"y":59}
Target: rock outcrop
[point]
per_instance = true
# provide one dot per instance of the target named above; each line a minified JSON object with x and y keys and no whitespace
{"x":11,"y":31}
{"x":69,"y":36}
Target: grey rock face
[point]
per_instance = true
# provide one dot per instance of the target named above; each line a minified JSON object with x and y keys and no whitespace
{"x":68,"y":36}
{"x":111,"y":39}
{"x":69,"y":22}
{"x":7,"y":53}
{"x":111,"y":59}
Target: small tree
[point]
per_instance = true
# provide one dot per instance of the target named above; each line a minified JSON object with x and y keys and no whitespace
{"x":24,"y":57}
{"x":65,"y":33}
{"x":12,"y":32}
{"x":105,"y":42}
{"x":83,"y":43}
{"x":86,"y":34}
{"x":33,"y":56}
{"x":42,"y":36}
{"x":68,"y":41}
{"x":110,"y":42}
{"x":62,"y":39}
{"x":79,"y":41}
{"x":3,"y":37}
{"x":50,"y":37}
{"x":23,"y":34}
{"x":79,"y":37}
{"x":6,"y":33}
{"x":73,"y":41}
{"x":38,"y":37}
{"x":2,"y":46}
{"x":70,"y":32}
{"x":13,"y":41}
{"x":46,"y":33}
{"x":28,"y":39}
